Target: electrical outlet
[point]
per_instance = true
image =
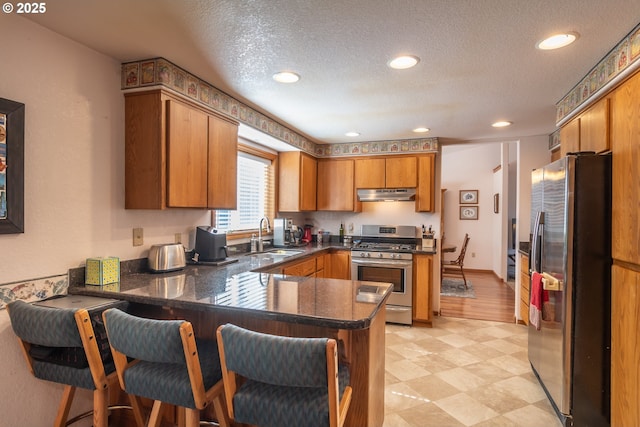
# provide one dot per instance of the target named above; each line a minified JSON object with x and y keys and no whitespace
{"x":178,"y":238}
{"x":138,"y":237}
{"x":473,"y":254}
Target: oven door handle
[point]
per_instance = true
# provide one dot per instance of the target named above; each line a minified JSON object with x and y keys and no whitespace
{"x":382,"y":263}
{"x":397,"y":308}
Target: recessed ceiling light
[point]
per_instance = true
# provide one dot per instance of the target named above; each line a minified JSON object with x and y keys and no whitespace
{"x":421,"y":130}
{"x":501,"y":124}
{"x":404,"y":62}
{"x":286,"y":77}
{"x":352,"y":134}
{"x":557,"y":41}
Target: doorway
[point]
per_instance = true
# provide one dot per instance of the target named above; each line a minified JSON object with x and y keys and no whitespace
{"x":490,"y":171}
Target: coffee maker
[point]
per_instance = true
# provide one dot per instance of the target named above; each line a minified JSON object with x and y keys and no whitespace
{"x":282,"y":232}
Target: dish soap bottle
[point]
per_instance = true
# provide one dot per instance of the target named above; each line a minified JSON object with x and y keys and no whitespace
{"x":254,"y":243}
{"x":341,"y":233}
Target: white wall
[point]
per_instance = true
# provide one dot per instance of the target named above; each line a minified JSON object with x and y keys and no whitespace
{"x":533,"y":153}
{"x":74,"y":185}
{"x":497,"y":220}
{"x":470,"y":167}
{"x":504,"y":182}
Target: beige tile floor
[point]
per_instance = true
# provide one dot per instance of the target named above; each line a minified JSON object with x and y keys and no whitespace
{"x":462,"y":372}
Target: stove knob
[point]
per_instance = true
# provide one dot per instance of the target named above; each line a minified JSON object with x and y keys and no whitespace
{"x":380,"y":255}
{"x":362,"y":254}
{"x":394,"y":255}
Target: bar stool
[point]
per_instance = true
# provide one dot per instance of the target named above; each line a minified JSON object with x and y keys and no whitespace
{"x":273,"y":381}
{"x":60,"y":345}
{"x":161,"y":360}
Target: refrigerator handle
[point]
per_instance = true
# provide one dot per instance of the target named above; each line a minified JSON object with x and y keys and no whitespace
{"x":537,"y":233}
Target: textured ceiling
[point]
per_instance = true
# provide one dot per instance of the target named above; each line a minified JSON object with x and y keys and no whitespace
{"x":478,"y":60}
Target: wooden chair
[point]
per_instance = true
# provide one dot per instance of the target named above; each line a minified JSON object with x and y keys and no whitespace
{"x":161,"y":360}
{"x":60,"y":345}
{"x":282,"y":381}
{"x":458,"y":263}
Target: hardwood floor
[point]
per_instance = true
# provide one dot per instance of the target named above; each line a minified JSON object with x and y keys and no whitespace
{"x":494,"y":300}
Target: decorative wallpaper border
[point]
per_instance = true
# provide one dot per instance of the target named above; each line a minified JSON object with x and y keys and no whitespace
{"x":159,"y":71}
{"x":33,"y":290}
{"x":377,"y":147}
{"x":619,"y":59}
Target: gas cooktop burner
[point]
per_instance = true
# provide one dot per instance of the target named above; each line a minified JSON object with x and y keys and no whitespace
{"x":387,"y":238}
{"x":374,"y":246}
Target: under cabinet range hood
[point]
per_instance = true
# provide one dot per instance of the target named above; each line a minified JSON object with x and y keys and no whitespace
{"x":387,"y":195}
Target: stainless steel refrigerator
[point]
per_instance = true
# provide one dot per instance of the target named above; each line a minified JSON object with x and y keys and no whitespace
{"x":571,"y":245}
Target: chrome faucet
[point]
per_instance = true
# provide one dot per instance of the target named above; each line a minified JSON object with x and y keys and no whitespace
{"x":260,"y":242}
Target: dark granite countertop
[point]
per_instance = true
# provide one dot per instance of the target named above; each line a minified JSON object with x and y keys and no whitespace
{"x":241,"y":287}
{"x":523,"y":248}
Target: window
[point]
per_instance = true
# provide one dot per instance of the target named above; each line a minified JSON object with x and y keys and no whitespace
{"x":255,"y":192}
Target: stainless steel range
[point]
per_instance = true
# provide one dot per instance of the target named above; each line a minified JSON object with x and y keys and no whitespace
{"x":384,"y":254}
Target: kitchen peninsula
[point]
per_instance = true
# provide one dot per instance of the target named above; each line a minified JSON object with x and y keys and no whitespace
{"x":352,"y":312}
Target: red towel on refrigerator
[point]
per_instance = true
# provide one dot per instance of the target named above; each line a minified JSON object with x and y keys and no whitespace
{"x":535,"y":303}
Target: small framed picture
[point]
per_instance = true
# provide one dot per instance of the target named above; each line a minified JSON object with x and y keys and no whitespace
{"x":468,"y":197}
{"x":468,"y":212}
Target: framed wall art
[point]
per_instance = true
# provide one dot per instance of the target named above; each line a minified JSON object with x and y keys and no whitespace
{"x":469,"y":212}
{"x":468,"y":197}
{"x":11,"y":167}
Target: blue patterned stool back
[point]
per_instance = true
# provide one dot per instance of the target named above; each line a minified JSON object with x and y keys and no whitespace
{"x":67,"y":346}
{"x":53,"y":343}
{"x":287,"y":381}
{"x":162,"y":360}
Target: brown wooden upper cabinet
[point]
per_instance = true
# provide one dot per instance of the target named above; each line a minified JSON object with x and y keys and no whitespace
{"x":297,"y":177}
{"x":335,"y":185}
{"x":178,"y":154}
{"x":594,"y":127}
{"x":187,"y":148}
{"x":625,"y":148}
{"x":587,"y":132}
{"x":425,"y":195}
{"x":390,"y":172}
{"x":223,"y":164}
{"x":570,"y":137}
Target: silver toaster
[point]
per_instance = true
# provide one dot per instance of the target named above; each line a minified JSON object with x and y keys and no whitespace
{"x":166,"y":257}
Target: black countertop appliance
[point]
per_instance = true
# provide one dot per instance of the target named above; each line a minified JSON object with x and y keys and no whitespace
{"x":211,"y":244}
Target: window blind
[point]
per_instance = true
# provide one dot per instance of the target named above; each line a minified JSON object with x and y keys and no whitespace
{"x":255,"y":195}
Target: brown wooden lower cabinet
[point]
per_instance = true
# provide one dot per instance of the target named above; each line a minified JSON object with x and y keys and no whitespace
{"x":338,"y":266}
{"x":625,"y":350}
{"x":303,"y":268}
{"x":422,"y":283}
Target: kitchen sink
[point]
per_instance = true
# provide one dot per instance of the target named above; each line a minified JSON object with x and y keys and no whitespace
{"x":285,"y":252}
{"x":275,"y":254}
